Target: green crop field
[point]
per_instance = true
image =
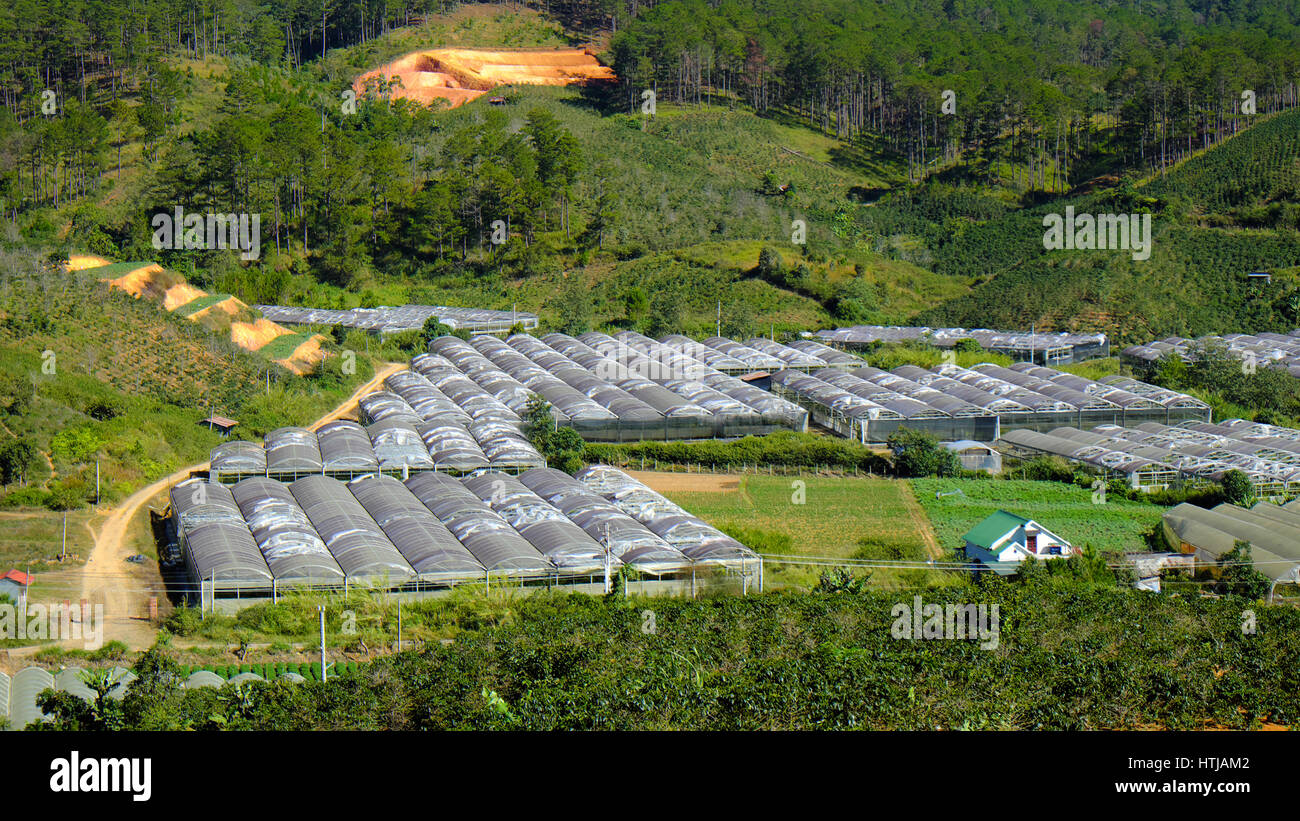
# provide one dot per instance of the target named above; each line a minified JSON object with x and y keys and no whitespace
{"x":1066,"y":510}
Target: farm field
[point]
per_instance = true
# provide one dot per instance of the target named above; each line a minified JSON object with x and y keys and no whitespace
{"x":1066,"y":510}
{"x":852,"y":518}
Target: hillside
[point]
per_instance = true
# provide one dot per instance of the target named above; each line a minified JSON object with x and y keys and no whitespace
{"x":218,"y":313}
{"x":79,"y":386}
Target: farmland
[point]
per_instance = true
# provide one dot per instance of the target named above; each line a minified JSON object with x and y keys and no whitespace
{"x":1067,"y":510}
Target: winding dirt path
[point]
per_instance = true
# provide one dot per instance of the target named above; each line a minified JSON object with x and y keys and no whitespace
{"x":108,"y":579}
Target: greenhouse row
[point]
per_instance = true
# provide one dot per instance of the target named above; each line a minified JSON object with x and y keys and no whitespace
{"x":625,"y":388}
{"x":1042,"y":348}
{"x":397,"y":441}
{"x":979,"y":403}
{"x":385,"y":321}
{"x":433,"y":529}
{"x":1258,"y":350}
{"x":1154,"y":455}
{"x":1272,"y":530}
{"x":18,"y":693}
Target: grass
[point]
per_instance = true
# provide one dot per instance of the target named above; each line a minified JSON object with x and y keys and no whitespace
{"x":1066,"y":510}
{"x":33,"y":540}
{"x":283,"y":346}
{"x":851,"y":518}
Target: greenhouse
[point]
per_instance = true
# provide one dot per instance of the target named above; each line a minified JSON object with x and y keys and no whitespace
{"x":1041,"y":348}
{"x":1273,"y":532}
{"x":385,"y":321}
{"x":265,"y":537}
{"x":1271,"y":350}
{"x":698,"y":540}
{"x":18,"y":694}
{"x":630,"y":541}
{"x":979,"y":403}
{"x":401,"y":438}
{"x":1193,"y":452}
{"x":624,"y":388}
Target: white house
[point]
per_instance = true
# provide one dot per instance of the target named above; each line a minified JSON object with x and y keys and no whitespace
{"x":1004,"y":540}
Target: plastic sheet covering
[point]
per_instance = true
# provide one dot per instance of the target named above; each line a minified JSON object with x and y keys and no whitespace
{"x":344,"y":446}
{"x":703,"y":353}
{"x":714,"y":401}
{"x":197,"y":501}
{"x":121,"y":678}
{"x":244,"y":678}
{"x":5,"y":686}
{"x":292,"y":449}
{"x":450,"y":378}
{"x":695,"y":538}
{"x":357,"y":543}
{"x":26,"y":685}
{"x":831,"y":356}
{"x":504,"y":445}
{"x":662,"y":399}
{"x":239,"y":457}
{"x":540,"y":522}
{"x":630,"y":541}
{"x":424,"y":398}
{"x":387,"y":405}
{"x":494,"y":543}
{"x":398,"y":444}
{"x":792,"y":357}
{"x":452,"y":447}
{"x":765,"y":402}
{"x":225,"y":553}
{"x":423,"y":540}
{"x":203,"y":678}
{"x":293,"y":550}
{"x":71,"y":681}
{"x":757,"y":360}
{"x":671,"y":363}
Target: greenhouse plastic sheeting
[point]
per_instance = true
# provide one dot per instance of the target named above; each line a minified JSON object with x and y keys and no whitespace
{"x":397,"y":444}
{"x":494,"y":543}
{"x":360,"y":547}
{"x":540,"y":522}
{"x":293,"y":550}
{"x":345,"y":446}
{"x":424,"y":541}
{"x":292,"y":449}
{"x":630,"y":541}
{"x":26,"y":685}
{"x":691,"y":535}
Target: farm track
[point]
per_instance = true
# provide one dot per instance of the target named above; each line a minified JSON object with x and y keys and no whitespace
{"x":122,"y":588}
{"x":920,"y":521}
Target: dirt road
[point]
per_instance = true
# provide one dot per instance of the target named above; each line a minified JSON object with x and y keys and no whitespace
{"x":107,"y":578}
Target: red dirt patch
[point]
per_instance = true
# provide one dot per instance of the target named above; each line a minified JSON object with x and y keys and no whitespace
{"x":458,"y":75}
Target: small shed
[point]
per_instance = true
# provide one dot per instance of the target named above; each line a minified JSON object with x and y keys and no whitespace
{"x":14,"y":584}
{"x":1260,"y":276}
{"x":976,"y":455}
{"x":222,"y":424}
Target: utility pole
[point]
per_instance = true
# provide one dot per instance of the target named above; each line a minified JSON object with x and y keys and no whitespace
{"x":321,"y":609}
{"x":64,"y":553}
{"x":96,"y":481}
{"x":719,"y":317}
{"x":399,"y":625}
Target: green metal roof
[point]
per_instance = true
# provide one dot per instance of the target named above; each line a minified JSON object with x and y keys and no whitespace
{"x":993,"y":528}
